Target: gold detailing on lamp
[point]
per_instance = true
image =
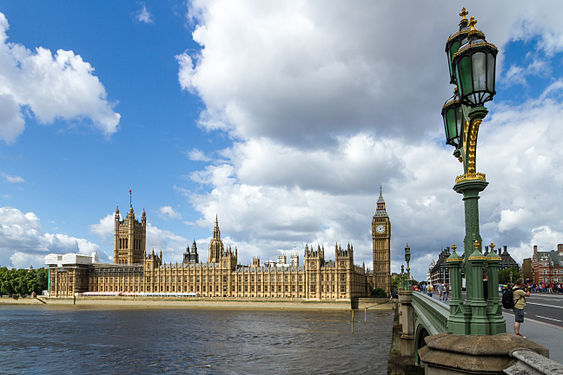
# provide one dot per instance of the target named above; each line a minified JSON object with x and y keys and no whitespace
{"x":463,"y":14}
{"x":471,"y":176}
{"x":471,"y":153}
{"x":465,"y":130}
{"x":472,"y":45}
{"x":472,"y":22}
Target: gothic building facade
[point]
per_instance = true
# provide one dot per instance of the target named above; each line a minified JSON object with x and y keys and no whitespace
{"x":136,"y":273}
{"x":381,"y":235}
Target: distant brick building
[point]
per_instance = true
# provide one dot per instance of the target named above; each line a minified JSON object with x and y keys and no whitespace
{"x":547,"y":266}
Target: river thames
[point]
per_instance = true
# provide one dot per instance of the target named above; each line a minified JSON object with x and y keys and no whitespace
{"x":46,"y":340}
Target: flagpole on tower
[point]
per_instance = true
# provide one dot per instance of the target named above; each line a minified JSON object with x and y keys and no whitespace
{"x":130,"y":198}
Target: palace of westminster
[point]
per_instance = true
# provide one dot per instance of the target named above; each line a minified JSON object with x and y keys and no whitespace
{"x":134,"y":272}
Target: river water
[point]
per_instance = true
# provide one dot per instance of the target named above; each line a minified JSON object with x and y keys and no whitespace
{"x":46,"y":340}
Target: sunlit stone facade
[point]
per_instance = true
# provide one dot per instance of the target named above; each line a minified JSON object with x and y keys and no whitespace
{"x":318,"y":278}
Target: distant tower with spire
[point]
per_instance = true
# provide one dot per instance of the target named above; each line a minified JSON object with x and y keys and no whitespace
{"x":129,"y":237}
{"x":191,"y":256}
{"x":216,"y":245}
{"x":381,"y":235}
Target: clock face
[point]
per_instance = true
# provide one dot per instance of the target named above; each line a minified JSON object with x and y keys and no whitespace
{"x":380,"y":229}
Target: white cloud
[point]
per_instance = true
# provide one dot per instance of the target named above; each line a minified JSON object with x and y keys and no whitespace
{"x":304,"y":72}
{"x":168,"y":212}
{"x":544,"y":237}
{"x":198,"y":155}
{"x":172,"y":245}
{"x":143,"y":15}
{"x":23,"y":243}
{"x":52,"y":86}
{"x":510,"y":219}
{"x":14,"y":179}
{"x":11,"y":119}
{"x":326,"y":101}
{"x":104,"y":228}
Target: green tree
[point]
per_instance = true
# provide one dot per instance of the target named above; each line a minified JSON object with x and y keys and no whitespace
{"x":22,"y":281}
{"x":42,"y":280}
{"x":5,"y":286}
{"x":504,"y":275}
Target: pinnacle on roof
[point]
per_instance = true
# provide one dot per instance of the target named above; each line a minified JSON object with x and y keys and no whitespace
{"x":381,"y":204}
{"x":380,"y":200}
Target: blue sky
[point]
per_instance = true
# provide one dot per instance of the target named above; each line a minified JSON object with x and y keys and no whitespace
{"x":283,"y":119}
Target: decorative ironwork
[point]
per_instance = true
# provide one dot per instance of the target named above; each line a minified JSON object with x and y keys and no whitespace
{"x":471,"y":176}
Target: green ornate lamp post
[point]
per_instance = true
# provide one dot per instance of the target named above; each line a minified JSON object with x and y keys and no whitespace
{"x":403,"y":283}
{"x":408,"y":259}
{"x":471,"y":62}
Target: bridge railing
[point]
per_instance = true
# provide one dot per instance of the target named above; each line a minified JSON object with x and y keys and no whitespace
{"x":434,"y":314}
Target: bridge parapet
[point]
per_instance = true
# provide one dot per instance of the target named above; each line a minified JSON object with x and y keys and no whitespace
{"x":430,"y":312}
{"x":530,"y":362}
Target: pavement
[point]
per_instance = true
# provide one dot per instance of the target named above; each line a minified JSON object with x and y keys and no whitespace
{"x":546,"y":334}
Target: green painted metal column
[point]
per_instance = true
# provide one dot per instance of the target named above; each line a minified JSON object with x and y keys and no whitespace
{"x":457,"y":324}
{"x":479,"y":324}
{"x":470,"y":190}
{"x":497,"y":323}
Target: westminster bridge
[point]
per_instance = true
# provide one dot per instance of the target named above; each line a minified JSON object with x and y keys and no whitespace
{"x":425,"y":337}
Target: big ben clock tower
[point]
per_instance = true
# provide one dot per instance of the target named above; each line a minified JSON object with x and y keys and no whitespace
{"x":381,"y":235}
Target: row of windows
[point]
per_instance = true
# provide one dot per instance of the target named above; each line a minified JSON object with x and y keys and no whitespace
{"x":224,"y":278}
{"x":553,"y":272}
{"x":124,"y":243}
{"x":246,"y":288}
{"x":553,"y":279}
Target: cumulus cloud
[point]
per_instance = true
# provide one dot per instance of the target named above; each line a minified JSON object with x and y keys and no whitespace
{"x":168,"y":212}
{"x":23,"y":243}
{"x":53,"y":86}
{"x":305,"y":72}
{"x":143,"y":15}
{"x":324,"y":103}
{"x":172,"y":245}
{"x":104,"y":228}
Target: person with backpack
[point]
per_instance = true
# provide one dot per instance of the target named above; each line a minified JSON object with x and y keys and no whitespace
{"x":520,"y":292}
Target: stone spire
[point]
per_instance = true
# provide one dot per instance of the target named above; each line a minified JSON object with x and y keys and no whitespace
{"x":216,"y":231}
{"x":380,"y":204}
{"x":215,"y":245}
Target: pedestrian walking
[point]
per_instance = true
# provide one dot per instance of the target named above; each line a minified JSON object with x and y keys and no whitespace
{"x":520,"y":292}
{"x":429,"y":290}
{"x":445,"y":290}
